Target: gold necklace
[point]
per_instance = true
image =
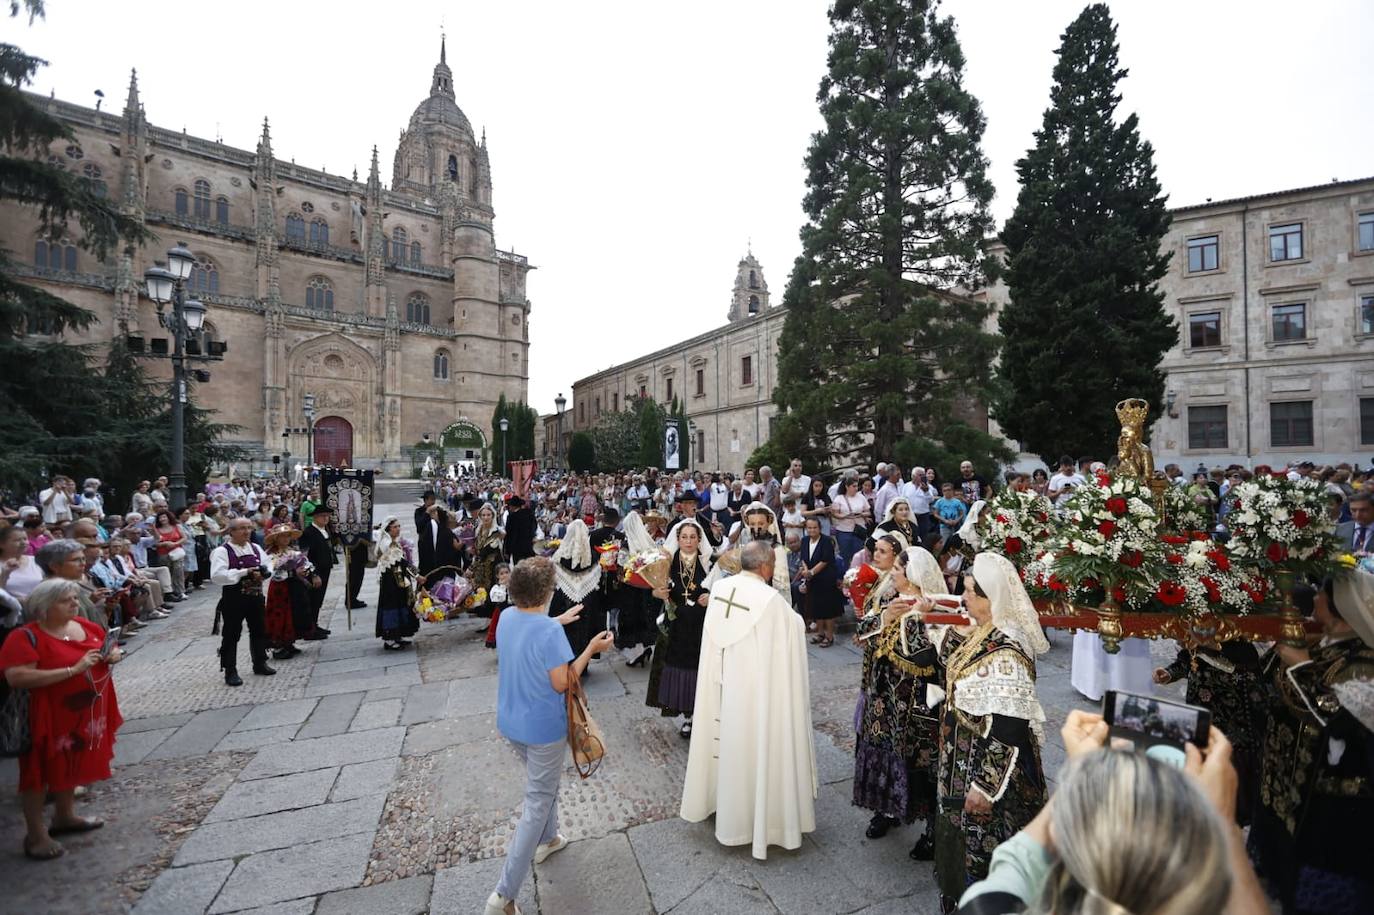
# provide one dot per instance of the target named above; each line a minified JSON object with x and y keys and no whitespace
{"x":963,"y":655}
{"x":687,"y":578}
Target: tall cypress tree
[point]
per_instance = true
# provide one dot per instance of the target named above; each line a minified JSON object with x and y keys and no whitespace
{"x":873,"y":355}
{"x":1086,"y":325}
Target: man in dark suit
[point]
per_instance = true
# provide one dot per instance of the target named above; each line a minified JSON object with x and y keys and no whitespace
{"x":422,"y":514}
{"x":519,"y":529}
{"x":430,"y":524}
{"x":314,"y":543}
{"x":1357,"y":534}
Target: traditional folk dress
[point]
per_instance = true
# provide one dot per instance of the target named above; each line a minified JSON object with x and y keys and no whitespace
{"x":487,"y":550}
{"x":1310,"y":834}
{"x":577,"y":580}
{"x":287,"y":615}
{"x":895,"y":750}
{"x":989,"y":741}
{"x":396,"y":617}
{"x":677,"y":653}
{"x":241,"y":602}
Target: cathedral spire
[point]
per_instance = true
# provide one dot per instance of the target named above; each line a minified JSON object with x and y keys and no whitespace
{"x":374,"y":178}
{"x":132,"y":104}
{"x":443,"y":51}
{"x":443,"y":76}
{"x":265,"y":141}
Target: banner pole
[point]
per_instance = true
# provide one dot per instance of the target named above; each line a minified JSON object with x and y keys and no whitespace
{"x":348,"y":583}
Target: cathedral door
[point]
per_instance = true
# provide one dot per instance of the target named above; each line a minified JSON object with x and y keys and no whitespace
{"x":333,"y":441}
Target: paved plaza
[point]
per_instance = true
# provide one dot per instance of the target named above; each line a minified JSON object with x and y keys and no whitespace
{"x":359,"y":780}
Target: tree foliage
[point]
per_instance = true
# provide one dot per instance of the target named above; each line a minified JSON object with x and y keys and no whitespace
{"x":1086,"y":325}
{"x":879,"y":345}
{"x":616,"y":437}
{"x":518,"y":438}
{"x":649,"y":417}
{"x":582,"y":453}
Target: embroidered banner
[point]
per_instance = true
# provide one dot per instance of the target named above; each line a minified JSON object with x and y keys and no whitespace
{"x":349,"y":494}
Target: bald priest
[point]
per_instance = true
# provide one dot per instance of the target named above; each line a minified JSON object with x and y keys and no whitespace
{"x":752,"y":761}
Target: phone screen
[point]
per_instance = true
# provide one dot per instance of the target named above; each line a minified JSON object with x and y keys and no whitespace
{"x":1154,"y":726}
{"x":111,"y":640}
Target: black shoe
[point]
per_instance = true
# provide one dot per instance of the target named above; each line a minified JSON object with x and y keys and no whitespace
{"x":359,"y":603}
{"x":315,"y":636}
{"x":231,"y":678}
{"x":262,"y":670}
{"x":283,"y":654}
{"x":323,"y":630}
{"x":924,"y":849}
{"x":879,"y":826}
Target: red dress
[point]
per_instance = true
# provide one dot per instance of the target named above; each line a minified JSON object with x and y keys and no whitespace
{"x":73,"y":722}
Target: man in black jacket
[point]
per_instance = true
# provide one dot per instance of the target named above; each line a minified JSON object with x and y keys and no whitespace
{"x":314,"y":543}
{"x":519,"y":529}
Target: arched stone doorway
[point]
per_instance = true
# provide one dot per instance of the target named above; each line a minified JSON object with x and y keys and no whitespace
{"x":466,"y":438}
{"x":333,"y":441}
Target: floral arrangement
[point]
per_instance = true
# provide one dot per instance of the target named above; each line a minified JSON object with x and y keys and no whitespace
{"x":858,"y":582}
{"x":1107,"y":544}
{"x":1199,"y":576}
{"x":476,"y":599}
{"x":427,"y":609}
{"x":648,"y":569}
{"x":1188,"y":508}
{"x":1017,"y":524}
{"x":610,"y":556}
{"x":1281,"y":525}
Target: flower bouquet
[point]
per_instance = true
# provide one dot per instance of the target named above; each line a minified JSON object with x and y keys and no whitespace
{"x":610,"y":556}
{"x":1016,"y":524}
{"x":447,"y":596}
{"x":1188,"y":508}
{"x":1278,"y":524}
{"x":550,"y":547}
{"x":858,"y":582}
{"x":1199,"y":577}
{"x":648,"y":569}
{"x":1107,"y":546}
{"x":428,"y":610}
{"x":475,"y":599}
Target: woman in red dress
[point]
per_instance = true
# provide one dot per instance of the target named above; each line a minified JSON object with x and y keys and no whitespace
{"x":73,"y":711}
{"x":288,"y":603}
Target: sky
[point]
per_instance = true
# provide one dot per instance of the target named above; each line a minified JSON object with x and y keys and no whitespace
{"x":639,"y":149}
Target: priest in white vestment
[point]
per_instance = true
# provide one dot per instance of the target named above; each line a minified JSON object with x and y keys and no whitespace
{"x":752,"y":761}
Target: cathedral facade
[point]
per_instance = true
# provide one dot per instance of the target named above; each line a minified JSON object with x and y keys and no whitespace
{"x":392,"y":306}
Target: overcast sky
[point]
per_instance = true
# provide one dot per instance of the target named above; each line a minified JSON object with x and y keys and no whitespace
{"x":637,"y":147}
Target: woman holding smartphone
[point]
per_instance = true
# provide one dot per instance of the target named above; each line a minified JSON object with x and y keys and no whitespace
{"x":64,"y":662}
{"x":171,"y":550}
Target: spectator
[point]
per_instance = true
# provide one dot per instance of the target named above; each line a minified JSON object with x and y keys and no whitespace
{"x":1065,"y":476}
{"x":19,"y":573}
{"x":67,"y":559}
{"x":142,"y":502}
{"x":851,"y":518}
{"x":56,"y":500}
{"x":890,"y":489}
{"x":140,"y":537}
{"x":1040,"y":482}
{"x":791,"y":518}
{"x":972,"y":487}
{"x":770,"y":490}
{"x":950,"y":510}
{"x":171,"y":550}
{"x":73,"y":711}
{"x":794,"y":481}
{"x":920,"y":495}
{"x":816,"y":504}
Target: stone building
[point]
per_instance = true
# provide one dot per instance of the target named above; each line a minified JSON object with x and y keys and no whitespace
{"x":392,"y":306}
{"x":724,"y":378}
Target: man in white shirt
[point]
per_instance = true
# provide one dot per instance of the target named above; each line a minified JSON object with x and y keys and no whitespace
{"x":1063,"y":483}
{"x":638,"y":494}
{"x":56,"y":500}
{"x":891,"y":489}
{"x":919,"y":495}
{"x":241,"y":567}
{"x":159,"y":492}
{"x":796,"y":482}
{"x":881,"y":476}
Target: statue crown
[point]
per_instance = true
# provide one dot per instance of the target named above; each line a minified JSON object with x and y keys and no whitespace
{"x":1132,"y":412}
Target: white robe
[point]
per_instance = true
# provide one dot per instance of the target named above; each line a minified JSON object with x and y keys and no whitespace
{"x":1095,"y":671}
{"x":752,"y":760}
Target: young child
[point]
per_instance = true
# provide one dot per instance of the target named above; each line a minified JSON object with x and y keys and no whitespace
{"x":792,"y":518}
{"x":497,"y":601}
{"x":950,"y":510}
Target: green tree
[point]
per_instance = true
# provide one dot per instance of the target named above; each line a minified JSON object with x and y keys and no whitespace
{"x":52,"y":418}
{"x":649,"y":416}
{"x":876,"y":347}
{"x":1086,"y":325}
{"x":616,"y":437}
{"x":582,"y":453}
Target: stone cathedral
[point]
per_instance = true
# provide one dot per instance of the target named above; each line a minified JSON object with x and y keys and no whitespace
{"x":392,"y":306}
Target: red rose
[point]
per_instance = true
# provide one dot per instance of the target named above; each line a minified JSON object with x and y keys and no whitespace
{"x":1132,"y":558}
{"x":1056,"y":584}
{"x":1300,"y":519}
{"x":1174,"y":539}
{"x":1043,"y":516}
{"x":1119,"y":595}
{"x":1276,"y":552}
{"x":1220,"y":560}
{"x":1107,"y":528}
{"x":1117,"y":506}
{"x":1012,"y":546}
{"x":1171,"y":593}
{"x":1200,"y":536}
{"x":1213,"y":592}
{"x":1001,"y":518}
{"x":1104,"y":478}
{"x":1173,"y":559}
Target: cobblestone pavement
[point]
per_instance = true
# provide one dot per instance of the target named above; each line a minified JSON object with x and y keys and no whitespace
{"x":362,"y":780}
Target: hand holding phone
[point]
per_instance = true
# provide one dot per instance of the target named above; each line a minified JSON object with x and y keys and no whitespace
{"x":1156,"y":727}
{"x":111,"y":642}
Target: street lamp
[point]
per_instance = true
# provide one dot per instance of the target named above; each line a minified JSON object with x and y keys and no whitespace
{"x":560,"y":402}
{"x":308,"y":409}
{"x":505,"y":424}
{"x":167,"y":284}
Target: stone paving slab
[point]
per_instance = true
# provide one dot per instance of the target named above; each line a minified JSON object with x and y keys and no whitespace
{"x":347,"y":678}
{"x":294,"y":907}
{"x":271,"y":795}
{"x":678,"y":858}
{"x":878,"y":868}
{"x":431,"y":736}
{"x":291,"y":873}
{"x":182,"y":890}
{"x":594,"y":875}
{"x":372,"y":715}
{"x":728,"y":892}
{"x":277,"y":714}
{"x":361,"y":779}
{"x":134,"y":748}
{"x":257,"y":739}
{"x":333,"y":649}
{"x":379,"y":657}
{"x":473,"y":696}
{"x":323,"y":752}
{"x":424,"y":703}
{"x":155,"y":723}
{"x":200,"y":735}
{"x":331,"y":716}
{"x":392,"y":676}
{"x":394,"y":897}
{"x":463,"y":890}
{"x":156,"y":652}
{"x":234,"y":838}
{"x":388,"y":692}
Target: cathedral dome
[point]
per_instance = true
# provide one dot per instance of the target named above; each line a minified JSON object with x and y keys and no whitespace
{"x":441,"y":108}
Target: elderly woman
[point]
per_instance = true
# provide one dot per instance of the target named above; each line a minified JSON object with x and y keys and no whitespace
{"x":991,"y":781}
{"x":19,"y":573}
{"x":577,"y":576}
{"x":396,"y":617}
{"x":66,"y":559}
{"x":1310,"y":833}
{"x":895,"y":751}
{"x":73,"y":710}
{"x":171,"y":550}
{"x":287,"y":612}
{"x":898,"y":520}
{"x":673,"y":677}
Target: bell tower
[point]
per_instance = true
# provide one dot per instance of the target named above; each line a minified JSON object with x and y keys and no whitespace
{"x":750,"y":295}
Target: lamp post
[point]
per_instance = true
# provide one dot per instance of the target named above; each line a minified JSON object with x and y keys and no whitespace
{"x":560,"y":402}
{"x":308,"y":409}
{"x":168,"y":285}
{"x":505,"y":424}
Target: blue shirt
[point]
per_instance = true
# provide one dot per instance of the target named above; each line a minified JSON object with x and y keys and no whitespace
{"x":528,"y":646}
{"x":950,"y":511}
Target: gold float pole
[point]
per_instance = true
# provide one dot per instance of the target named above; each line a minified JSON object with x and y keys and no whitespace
{"x":1109,"y":624}
{"x":1291,"y":631}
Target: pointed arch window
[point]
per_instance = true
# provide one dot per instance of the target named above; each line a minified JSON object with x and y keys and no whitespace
{"x":753,"y":304}
{"x":57,"y":255}
{"x":399,"y":240}
{"x":202,"y":200}
{"x":319,"y":294}
{"x":295,"y":227}
{"x":441,"y":360}
{"x":222,"y":210}
{"x":319,"y":231}
{"x":453,"y":168}
{"x":204,"y":276}
{"x":417,"y":309}
{"x":415,"y":252}
{"x":92,"y":175}
{"x":183,"y":202}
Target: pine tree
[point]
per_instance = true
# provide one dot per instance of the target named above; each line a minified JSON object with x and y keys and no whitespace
{"x":52,"y":416}
{"x":1086,"y":325}
{"x":876,"y":348}
{"x":650,"y":419}
{"x":581,"y":452}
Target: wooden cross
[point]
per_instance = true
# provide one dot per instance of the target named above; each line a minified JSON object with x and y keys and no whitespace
{"x":730,"y":603}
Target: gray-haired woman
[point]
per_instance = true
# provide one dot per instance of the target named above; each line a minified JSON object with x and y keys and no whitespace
{"x":67,"y":559}
{"x":73,"y":711}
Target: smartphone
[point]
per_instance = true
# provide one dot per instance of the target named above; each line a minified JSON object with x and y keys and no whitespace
{"x":111,"y":640}
{"x":1156,"y":727}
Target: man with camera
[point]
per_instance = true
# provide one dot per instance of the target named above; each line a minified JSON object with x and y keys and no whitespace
{"x":240,"y":567}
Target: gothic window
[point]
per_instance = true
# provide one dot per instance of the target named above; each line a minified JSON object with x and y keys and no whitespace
{"x":202,"y":199}
{"x":183,"y":207}
{"x":441,"y":365}
{"x":57,"y":255}
{"x":753,"y":304}
{"x":319,"y":294}
{"x":307,"y":207}
{"x":472,"y":176}
{"x":417,"y":309}
{"x":57,"y":162}
{"x":295,"y":228}
{"x":222,"y":210}
{"x":415,"y":252}
{"x":204,"y":276}
{"x":74,"y":152}
{"x":92,"y":175}
{"x":453,"y":168}
{"x":319,"y":231}
{"x":398,"y":245}
{"x":753,"y":280}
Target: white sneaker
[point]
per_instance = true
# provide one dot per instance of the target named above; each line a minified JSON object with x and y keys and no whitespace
{"x":496,"y":905}
{"x":159,"y":615}
{"x":542,"y":852}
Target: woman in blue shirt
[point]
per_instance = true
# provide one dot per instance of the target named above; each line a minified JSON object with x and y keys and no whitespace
{"x":531,"y":713}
